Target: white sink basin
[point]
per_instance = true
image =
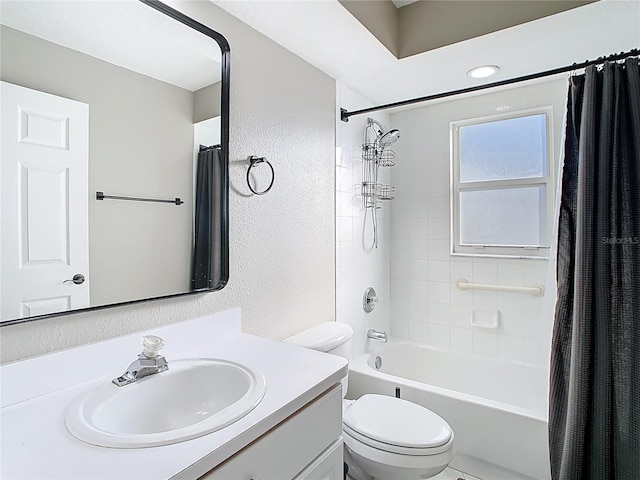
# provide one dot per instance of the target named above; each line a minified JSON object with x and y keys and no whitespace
{"x":193,"y":398}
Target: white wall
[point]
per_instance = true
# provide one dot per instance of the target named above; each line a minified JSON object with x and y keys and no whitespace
{"x":358,"y":264}
{"x":283,"y":243}
{"x":425,"y":304}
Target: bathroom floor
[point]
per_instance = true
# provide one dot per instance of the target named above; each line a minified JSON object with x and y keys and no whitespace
{"x":449,"y":474}
{"x":453,"y":474}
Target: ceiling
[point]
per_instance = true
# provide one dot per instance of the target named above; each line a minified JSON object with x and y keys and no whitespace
{"x":402,"y":3}
{"x":327,"y":36}
{"x":107,"y":29}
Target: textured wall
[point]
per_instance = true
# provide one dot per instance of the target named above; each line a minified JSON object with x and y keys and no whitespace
{"x":358,"y":264}
{"x":282,"y":243}
{"x":426,"y":306}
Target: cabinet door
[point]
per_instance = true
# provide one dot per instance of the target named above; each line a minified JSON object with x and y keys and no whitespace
{"x":328,"y":466}
{"x":287,"y":449}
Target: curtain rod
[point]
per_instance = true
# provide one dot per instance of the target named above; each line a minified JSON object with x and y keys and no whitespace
{"x":345,"y":114}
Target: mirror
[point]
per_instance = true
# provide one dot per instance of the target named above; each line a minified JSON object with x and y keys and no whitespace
{"x":114,"y":167}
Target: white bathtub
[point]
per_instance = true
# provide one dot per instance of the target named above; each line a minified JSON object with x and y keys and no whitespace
{"x":497,"y":409}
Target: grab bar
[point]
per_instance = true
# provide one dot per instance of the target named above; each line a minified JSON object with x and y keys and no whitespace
{"x":464,"y":284}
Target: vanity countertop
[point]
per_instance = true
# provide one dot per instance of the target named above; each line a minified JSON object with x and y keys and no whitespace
{"x":36,"y":393}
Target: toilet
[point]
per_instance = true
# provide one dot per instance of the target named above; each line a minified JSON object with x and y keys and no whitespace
{"x":385,"y":438}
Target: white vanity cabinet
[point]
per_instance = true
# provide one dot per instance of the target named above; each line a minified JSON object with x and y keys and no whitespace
{"x":305,"y":446}
{"x":294,"y":433}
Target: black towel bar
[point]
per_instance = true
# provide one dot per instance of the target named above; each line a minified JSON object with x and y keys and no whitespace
{"x":102,"y":196}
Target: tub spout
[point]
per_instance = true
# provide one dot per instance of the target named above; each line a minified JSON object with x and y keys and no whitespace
{"x":377,"y":335}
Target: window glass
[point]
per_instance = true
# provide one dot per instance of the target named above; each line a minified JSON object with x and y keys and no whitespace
{"x":504,"y":149}
{"x":503,"y":217}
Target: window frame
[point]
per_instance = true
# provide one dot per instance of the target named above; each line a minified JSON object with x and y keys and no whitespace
{"x":502,"y":251}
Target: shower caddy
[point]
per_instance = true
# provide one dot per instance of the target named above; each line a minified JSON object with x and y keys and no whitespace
{"x":376,"y":154}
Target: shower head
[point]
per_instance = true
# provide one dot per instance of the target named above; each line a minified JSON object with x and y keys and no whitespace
{"x":388,"y":138}
{"x":384,"y":138}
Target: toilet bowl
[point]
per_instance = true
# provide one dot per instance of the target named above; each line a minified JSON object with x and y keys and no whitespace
{"x":385,"y":438}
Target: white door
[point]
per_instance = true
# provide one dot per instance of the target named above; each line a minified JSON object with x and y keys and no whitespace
{"x":44,"y":215}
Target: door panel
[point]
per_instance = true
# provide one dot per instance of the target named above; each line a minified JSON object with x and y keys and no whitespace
{"x":44,"y":187}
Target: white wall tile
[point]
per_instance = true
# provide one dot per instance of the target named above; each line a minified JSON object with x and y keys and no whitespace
{"x":344,"y":229}
{"x":418,"y":269}
{"x":485,"y":271}
{"x":531,"y":351}
{"x":462,"y":339}
{"x":418,"y":227}
{"x":418,"y":332}
{"x":439,"y":292}
{"x":438,"y":271}
{"x":399,"y":268}
{"x":418,"y":248}
{"x":346,"y":253}
{"x":461,"y":269}
{"x":418,"y":290}
{"x":439,"y":208}
{"x":344,"y":179}
{"x":402,"y":227}
{"x":400,"y":328}
{"x":535,"y":271}
{"x":460,"y":297}
{"x":399,"y":308}
{"x":439,"y":227}
{"x":438,"y":313}
{"x":511,"y":273}
{"x":485,"y":342}
{"x":485,"y":300}
{"x":460,"y":316}
{"x":400,"y":247}
{"x":439,"y":336}
{"x":400,"y":288}
{"x":439,"y":249}
{"x":511,"y":348}
{"x":358,"y":344}
{"x":513,"y":322}
{"x":418,"y":311}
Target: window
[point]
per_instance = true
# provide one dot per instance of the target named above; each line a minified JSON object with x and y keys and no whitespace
{"x":502,"y":185}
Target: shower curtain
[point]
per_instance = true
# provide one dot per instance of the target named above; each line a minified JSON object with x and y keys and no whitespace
{"x":594,"y":417}
{"x":205,"y":266}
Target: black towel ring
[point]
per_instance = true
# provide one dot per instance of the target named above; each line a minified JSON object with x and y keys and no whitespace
{"x":253,"y":160}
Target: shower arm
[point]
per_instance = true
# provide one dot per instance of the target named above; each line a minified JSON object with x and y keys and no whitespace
{"x":379,"y":132}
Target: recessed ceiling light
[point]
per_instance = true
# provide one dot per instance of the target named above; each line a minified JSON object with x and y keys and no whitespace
{"x":484,"y":71}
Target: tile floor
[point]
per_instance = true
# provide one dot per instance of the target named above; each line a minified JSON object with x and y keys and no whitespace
{"x":453,"y":474}
{"x":449,"y":474}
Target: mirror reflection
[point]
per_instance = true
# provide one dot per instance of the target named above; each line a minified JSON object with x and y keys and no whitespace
{"x":118,"y":101}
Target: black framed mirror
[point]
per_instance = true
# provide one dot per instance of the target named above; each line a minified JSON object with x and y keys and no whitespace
{"x":114,"y":166}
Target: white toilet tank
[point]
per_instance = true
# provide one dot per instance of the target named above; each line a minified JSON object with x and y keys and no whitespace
{"x":331,"y":337}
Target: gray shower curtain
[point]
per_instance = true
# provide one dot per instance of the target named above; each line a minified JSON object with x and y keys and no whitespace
{"x":207,"y":250}
{"x":594,"y":416}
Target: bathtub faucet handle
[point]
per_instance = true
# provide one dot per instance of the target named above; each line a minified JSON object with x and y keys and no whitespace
{"x":369,"y":300}
{"x":377,"y":335}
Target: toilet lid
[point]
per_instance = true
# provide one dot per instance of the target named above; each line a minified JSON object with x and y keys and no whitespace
{"x":397,"y":422}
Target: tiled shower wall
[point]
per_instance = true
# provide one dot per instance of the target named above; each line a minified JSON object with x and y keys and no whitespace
{"x":358,"y":263}
{"x":426,"y":306}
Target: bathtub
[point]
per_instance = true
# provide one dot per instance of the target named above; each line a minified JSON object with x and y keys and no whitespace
{"x":497,"y":409}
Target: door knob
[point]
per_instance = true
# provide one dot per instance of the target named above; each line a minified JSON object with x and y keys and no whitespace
{"x":78,"y":279}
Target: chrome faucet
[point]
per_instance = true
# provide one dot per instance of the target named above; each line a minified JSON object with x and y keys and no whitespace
{"x":377,"y":335}
{"x":148,"y":362}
